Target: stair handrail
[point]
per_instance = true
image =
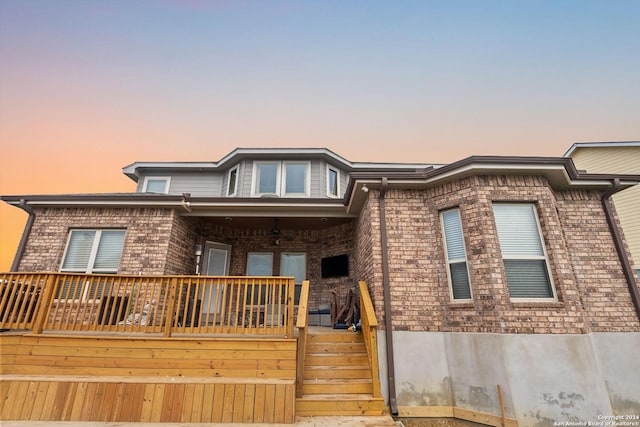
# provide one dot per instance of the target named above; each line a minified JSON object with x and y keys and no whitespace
{"x":302,"y":324}
{"x":370,"y":334}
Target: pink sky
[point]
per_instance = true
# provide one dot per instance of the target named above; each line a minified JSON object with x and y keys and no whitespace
{"x":89,"y":87}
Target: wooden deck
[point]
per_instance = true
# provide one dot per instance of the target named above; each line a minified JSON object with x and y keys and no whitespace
{"x":64,"y":358}
{"x":71,"y":378}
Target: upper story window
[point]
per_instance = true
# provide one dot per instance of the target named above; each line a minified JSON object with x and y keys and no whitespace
{"x":232,"y":182}
{"x":156,"y":184}
{"x":456,"y":255}
{"x":333,"y":182}
{"x":287,"y":179}
{"x":525,"y":259}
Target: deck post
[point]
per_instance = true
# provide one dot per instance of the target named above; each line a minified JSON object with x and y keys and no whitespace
{"x":171,"y":307}
{"x":45,"y":303}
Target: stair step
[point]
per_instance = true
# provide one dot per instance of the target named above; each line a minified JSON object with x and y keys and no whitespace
{"x":317,"y":372}
{"x":340,"y":404}
{"x":337,"y":359}
{"x":336,"y":347}
{"x":336,"y":337}
{"x":329,"y":386}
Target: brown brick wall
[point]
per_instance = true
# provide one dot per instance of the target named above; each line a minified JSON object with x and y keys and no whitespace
{"x":316,"y":244}
{"x":145,"y":247}
{"x":591,"y":290}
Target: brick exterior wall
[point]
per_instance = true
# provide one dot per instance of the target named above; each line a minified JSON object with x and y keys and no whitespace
{"x":145,"y":246}
{"x":592,"y":294}
{"x":317,"y":244}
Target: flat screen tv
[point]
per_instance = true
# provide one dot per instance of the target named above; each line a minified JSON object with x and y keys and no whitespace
{"x":335,"y":266}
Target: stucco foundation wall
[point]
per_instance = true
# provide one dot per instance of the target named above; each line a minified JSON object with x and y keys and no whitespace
{"x":545,"y":378}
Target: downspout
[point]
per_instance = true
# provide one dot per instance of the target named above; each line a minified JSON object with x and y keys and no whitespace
{"x":619,"y":243}
{"x":393,"y":405}
{"x":25,"y":234}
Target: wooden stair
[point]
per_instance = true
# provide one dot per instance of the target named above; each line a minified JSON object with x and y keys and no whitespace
{"x":337,"y":376}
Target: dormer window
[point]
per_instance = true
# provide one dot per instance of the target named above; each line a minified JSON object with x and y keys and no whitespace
{"x":156,"y":184}
{"x":232,"y":182}
{"x":286,"y":179}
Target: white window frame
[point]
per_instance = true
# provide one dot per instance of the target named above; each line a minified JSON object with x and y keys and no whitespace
{"x":449,"y":261}
{"x":255,"y":185}
{"x":166,"y":179}
{"x":337,"y":171}
{"x":235,"y":169}
{"x":90,"y":269}
{"x":544,"y":257}
{"x":281,"y":178}
{"x":307,"y":178}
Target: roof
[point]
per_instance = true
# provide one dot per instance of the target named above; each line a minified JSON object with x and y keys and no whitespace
{"x":560,"y":172}
{"x":577,"y":145}
{"x":133,"y":170}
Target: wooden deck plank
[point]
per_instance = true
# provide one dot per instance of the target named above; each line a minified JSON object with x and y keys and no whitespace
{"x":290,"y":404}
{"x":39,"y":400}
{"x":188,"y":409}
{"x":208,"y":394}
{"x":238,"y":403}
{"x":49,"y":401}
{"x":218,"y":403}
{"x":67,"y":401}
{"x":108,"y":402}
{"x":7,"y":403}
{"x":88,"y":399}
{"x":278,"y":403}
{"x":249,"y":401}
{"x":136,"y":394}
{"x":18,"y":401}
{"x":269,"y":396}
{"x":258,"y":410}
{"x":116,"y":414}
{"x":196,"y":404}
{"x":227,"y":410}
{"x":29,"y":401}
{"x":167,"y":403}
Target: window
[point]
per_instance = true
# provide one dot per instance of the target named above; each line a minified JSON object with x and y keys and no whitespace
{"x":294,"y":264}
{"x":455,"y":255}
{"x":333,"y":182}
{"x":525,"y":260}
{"x":296,"y":179}
{"x":156,"y":184}
{"x":259,"y":264}
{"x":287,"y":178}
{"x":90,"y":251}
{"x":266,"y":177}
{"x":232,"y":182}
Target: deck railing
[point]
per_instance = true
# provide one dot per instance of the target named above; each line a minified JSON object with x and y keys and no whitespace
{"x":369,"y":332}
{"x":57,"y":302}
{"x":302,"y":324}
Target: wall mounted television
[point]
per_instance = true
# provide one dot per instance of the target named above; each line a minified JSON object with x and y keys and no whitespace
{"x":335,"y":266}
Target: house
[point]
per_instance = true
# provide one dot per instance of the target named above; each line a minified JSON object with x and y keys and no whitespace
{"x":616,"y":157}
{"x":492,"y":289}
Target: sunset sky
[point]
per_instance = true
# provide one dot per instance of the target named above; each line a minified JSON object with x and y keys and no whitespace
{"x":87,"y":87}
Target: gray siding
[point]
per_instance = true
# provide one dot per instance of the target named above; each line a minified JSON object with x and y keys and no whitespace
{"x":207,"y":184}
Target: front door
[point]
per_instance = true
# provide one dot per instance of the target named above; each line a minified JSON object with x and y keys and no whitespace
{"x":216,"y":263}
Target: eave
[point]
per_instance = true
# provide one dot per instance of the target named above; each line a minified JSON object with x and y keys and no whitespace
{"x":560,"y":172}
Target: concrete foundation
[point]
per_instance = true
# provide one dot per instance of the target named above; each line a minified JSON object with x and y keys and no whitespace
{"x":545,"y":379}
